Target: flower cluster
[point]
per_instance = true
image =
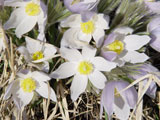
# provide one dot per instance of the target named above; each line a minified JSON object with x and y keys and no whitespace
{"x":91,"y":46}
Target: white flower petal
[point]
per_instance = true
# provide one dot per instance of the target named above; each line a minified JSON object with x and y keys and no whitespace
{"x":71,"y":40}
{"x":11,"y":88}
{"x":25,"y":25}
{"x":135,"y":57}
{"x":16,"y":17}
{"x":45,"y":66}
{"x":88,"y":52}
{"x":49,"y":50}
{"x":72,"y":21}
{"x":24,"y":73}
{"x":97,"y":79}
{"x":22,"y":98}
{"x":65,"y":70}
{"x":14,"y":3}
{"x":101,"y":21}
{"x":42,"y":89}
{"x":121,"y":108}
{"x":32,"y":42}
{"x":124,"y":30}
{"x":103,"y":65}
{"x":25,"y":53}
{"x":135,"y":42}
{"x":78,"y":86}
{"x":70,"y":54}
{"x":98,"y":36}
{"x":84,"y":37}
{"x":40,"y":76}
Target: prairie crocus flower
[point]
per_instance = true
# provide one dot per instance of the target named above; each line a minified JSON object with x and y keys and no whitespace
{"x":80,"y":33}
{"x":119,"y":103}
{"x":142,"y":71}
{"x":120,"y":47}
{"x":78,"y":6}
{"x":26,"y":83}
{"x":83,"y":66}
{"x":37,"y":53}
{"x":154,"y":30}
{"x":26,"y":15}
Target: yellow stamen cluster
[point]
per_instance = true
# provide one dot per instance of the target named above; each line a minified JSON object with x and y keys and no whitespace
{"x":85,"y":67}
{"x":37,"y":55}
{"x":32,"y":9}
{"x":87,"y":27}
{"x":28,"y":85}
{"x":117,"y":46}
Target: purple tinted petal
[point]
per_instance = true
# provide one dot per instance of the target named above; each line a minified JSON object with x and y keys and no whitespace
{"x":149,"y":68}
{"x":110,"y":38}
{"x":107,"y":98}
{"x":87,"y":15}
{"x":154,"y":23}
{"x":130,"y":95}
{"x":151,"y":91}
{"x":109,"y":55}
{"x":1,"y":2}
{"x":79,"y":7}
{"x":153,"y":6}
{"x":155,"y":41}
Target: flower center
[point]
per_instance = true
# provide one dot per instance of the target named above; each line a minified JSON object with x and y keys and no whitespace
{"x":32,"y":9}
{"x":37,"y":55}
{"x":87,"y":27}
{"x":85,"y":67}
{"x":116,"y":93}
{"x":28,"y":85}
{"x":117,"y":46}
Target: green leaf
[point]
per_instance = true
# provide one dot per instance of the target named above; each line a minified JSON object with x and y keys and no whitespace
{"x":56,"y":12}
{"x":106,"y":116}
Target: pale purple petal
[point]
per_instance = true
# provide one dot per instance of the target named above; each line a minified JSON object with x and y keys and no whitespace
{"x":110,"y":38}
{"x":155,"y":41}
{"x":151,"y":91}
{"x":153,"y":6}
{"x":79,"y":7}
{"x":154,"y":23}
{"x":107,"y":98}
{"x":130,"y":95}
{"x":121,"y":108}
{"x":109,"y":55}
{"x":86,"y":15}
